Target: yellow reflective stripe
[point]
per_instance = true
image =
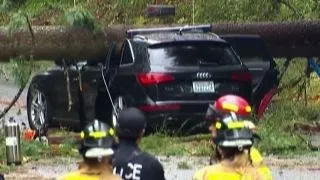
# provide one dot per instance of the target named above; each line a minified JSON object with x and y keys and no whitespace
{"x":255,"y":156}
{"x":230,"y":107}
{"x":82,"y":135}
{"x":98,"y":134}
{"x":234,"y":125}
{"x":218,"y":125}
{"x":111,"y":131}
{"x":248,"y":109}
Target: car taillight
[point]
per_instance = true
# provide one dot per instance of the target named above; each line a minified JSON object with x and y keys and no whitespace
{"x":164,"y":107}
{"x":153,"y":78}
{"x":241,"y":76}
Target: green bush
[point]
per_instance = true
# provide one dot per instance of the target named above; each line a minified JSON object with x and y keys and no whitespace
{"x":80,"y":17}
{"x":276,"y":130}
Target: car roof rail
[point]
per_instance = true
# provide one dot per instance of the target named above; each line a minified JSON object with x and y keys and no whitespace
{"x":140,"y":37}
{"x":216,"y":35}
{"x":179,"y":29}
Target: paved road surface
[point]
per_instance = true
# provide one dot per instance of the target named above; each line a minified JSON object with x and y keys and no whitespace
{"x":7,"y":92}
{"x":281,"y":169}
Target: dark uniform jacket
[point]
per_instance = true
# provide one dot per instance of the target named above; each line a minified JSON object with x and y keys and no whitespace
{"x":132,"y":164}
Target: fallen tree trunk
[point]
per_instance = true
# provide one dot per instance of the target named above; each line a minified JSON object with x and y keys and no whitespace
{"x":291,"y":39}
{"x":295,"y":39}
{"x":53,"y":42}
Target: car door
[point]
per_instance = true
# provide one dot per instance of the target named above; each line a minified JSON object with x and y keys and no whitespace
{"x":106,"y":78}
{"x":90,"y":76}
{"x":122,"y":77}
{"x":254,"y":54}
{"x":59,"y":92}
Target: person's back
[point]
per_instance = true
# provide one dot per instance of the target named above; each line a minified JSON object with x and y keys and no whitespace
{"x":129,"y":161}
{"x":223,"y":172}
{"x":132,"y":163}
{"x":91,"y":172}
{"x":233,"y":141}
{"x":238,"y":105}
{"x":96,"y":150}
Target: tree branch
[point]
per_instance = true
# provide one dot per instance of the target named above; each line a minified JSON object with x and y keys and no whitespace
{"x":66,"y":72}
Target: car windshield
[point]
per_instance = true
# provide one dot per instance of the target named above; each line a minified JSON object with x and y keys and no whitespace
{"x":195,"y":54}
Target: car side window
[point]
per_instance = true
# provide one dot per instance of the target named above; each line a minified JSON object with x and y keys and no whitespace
{"x":126,"y":54}
{"x":250,"y":50}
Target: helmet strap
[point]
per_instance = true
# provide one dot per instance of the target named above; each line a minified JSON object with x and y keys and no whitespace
{"x":233,"y":115}
{"x":240,"y":148}
{"x":99,"y":159}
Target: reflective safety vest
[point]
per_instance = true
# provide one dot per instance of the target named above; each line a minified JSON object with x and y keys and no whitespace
{"x":80,"y":176}
{"x":77,"y":175}
{"x":91,"y":173}
{"x":220,"y":172}
{"x":255,"y":156}
{"x":257,"y":161}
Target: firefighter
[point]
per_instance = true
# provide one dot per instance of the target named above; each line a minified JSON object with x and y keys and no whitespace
{"x":241,"y":108}
{"x":129,"y":161}
{"x":96,"y":150}
{"x":233,"y":141}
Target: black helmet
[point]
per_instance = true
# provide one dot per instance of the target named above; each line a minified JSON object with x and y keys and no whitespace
{"x":130,"y":123}
{"x":96,"y":140}
{"x":232,"y":132}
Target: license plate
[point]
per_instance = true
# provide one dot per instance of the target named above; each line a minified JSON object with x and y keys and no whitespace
{"x":203,"y":87}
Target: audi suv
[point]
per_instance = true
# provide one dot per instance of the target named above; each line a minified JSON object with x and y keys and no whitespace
{"x":171,"y":74}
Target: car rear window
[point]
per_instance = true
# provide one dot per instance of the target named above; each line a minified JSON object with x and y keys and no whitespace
{"x":192,"y":54}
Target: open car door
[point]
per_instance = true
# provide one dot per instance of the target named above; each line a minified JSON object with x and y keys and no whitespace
{"x":254,"y":54}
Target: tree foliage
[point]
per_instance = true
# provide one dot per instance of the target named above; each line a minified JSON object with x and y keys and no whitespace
{"x":132,"y":11}
{"x":81,"y":17}
{"x":17,"y":21}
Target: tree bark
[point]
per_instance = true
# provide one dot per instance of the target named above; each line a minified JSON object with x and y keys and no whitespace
{"x":283,"y":39}
{"x":296,"y":39}
{"x":58,"y":42}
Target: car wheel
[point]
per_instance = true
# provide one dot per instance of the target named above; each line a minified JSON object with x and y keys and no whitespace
{"x":38,"y":109}
{"x":119,"y":104}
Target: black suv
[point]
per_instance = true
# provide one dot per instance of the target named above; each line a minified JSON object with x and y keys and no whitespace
{"x":172,"y":74}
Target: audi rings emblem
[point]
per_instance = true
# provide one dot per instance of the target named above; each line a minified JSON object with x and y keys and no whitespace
{"x":203,"y":75}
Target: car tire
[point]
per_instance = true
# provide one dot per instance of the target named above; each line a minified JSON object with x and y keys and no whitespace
{"x":39,"y":109}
